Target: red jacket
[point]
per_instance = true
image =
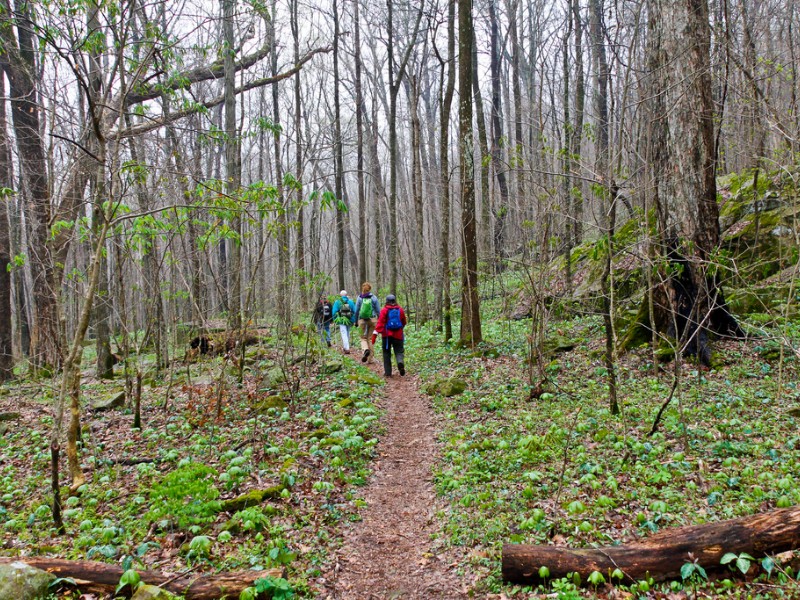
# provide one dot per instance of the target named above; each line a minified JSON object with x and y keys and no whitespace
{"x":384,"y":317}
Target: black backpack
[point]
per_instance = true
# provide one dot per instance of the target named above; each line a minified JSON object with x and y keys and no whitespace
{"x":345,"y":309}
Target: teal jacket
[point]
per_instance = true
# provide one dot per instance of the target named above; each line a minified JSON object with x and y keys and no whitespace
{"x":337,"y":306}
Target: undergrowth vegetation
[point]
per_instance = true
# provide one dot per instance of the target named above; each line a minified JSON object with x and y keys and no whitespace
{"x":268,"y":484}
{"x":522,"y":465}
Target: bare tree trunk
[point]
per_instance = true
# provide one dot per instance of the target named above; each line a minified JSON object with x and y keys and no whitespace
{"x":363,"y":266}
{"x":300,"y":249}
{"x":419,"y":212}
{"x":444,"y":159}
{"x":501,"y":210}
{"x":483,"y":144}
{"x":337,"y":154}
{"x":18,"y":62}
{"x":6,"y":182}
{"x":609,"y":192}
{"x":470,"y":305}
{"x":233,"y":164}
{"x":283,"y":217}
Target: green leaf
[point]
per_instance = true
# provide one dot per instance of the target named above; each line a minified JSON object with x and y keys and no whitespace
{"x":248,"y":593}
{"x":544,"y":572}
{"x":743,"y":564}
{"x":686,"y":570}
{"x":701,"y":571}
{"x":768,"y":565}
{"x":729,"y":557}
{"x":129,"y":577}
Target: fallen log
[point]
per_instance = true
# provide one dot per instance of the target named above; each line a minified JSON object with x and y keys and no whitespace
{"x":102,"y":578}
{"x":660,"y":556}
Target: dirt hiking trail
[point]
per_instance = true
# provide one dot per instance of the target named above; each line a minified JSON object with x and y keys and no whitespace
{"x":390,"y":553}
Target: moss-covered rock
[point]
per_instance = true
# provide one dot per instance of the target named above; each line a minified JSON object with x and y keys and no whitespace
{"x":115,"y":401}
{"x":274,"y":401}
{"x":23,"y":582}
{"x":152,"y":592}
{"x":276,"y":376}
{"x":251,"y":498}
{"x":332,"y":366}
{"x":367,"y":377}
{"x":451,"y":386}
{"x":318,"y":434}
{"x":558,"y":345}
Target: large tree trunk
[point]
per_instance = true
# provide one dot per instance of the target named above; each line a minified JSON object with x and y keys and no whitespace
{"x":18,"y":62}
{"x":102,"y":578}
{"x":686,"y":192}
{"x":470,"y":305}
{"x":660,"y":556}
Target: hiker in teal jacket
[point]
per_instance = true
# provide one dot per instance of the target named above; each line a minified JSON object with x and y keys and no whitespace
{"x":344,"y":315}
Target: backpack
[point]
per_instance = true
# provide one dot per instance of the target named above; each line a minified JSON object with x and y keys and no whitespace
{"x":366,"y":308}
{"x":345,"y":310}
{"x":393,"y":323}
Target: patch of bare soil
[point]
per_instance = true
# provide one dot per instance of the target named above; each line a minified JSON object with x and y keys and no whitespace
{"x":391,"y":553}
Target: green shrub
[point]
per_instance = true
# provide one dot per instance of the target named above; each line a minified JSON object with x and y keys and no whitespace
{"x":185,"y":497}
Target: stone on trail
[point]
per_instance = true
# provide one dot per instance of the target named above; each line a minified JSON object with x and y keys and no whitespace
{"x":22,"y":582}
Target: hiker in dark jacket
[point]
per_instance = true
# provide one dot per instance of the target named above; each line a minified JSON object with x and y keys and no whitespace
{"x":391,"y":322}
{"x":322,"y":318}
{"x":367,"y":309}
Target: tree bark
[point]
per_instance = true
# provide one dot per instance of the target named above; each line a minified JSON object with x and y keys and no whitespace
{"x":501,"y":211}
{"x":470,"y":305}
{"x":444,"y":159}
{"x":686,"y":189}
{"x":6,"y":182}
{"x":660,"y":556}
{"x":18,"y":62}
{"x":97,"y":577}
{"x":363,"y":266}
{"x":233,"y":164}
{"x":338,"y":167}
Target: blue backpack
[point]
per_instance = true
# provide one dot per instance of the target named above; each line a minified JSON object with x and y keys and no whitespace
{"x":393,"y":323}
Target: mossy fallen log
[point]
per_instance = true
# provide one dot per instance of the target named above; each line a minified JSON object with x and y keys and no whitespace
{"x":660,"y":556}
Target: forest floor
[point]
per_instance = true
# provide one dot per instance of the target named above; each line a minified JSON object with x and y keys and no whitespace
{"x":395,"y":552}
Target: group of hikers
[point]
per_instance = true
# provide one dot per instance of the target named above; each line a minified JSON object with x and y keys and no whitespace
{"x":371,"y":319}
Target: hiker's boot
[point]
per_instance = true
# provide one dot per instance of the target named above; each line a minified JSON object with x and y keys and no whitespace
{"x":402,"y":368}
{"x":366,"y":356}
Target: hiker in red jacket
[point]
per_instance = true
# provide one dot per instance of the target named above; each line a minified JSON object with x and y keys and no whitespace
{"x":390,"y":325}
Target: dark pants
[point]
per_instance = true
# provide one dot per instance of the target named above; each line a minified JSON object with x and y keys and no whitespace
{"x":387,"y":345}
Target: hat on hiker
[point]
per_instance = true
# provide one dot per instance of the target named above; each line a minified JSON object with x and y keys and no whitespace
{"x":390,"y":299}
{"x":343,"y":293}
